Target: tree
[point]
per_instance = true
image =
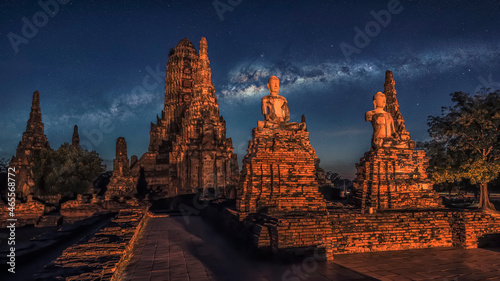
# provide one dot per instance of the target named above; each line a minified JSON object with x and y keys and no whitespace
{"x":66,"y":171}
{"x":466,"y":142}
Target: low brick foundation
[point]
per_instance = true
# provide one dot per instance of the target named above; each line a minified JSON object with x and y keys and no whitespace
{"x":350,"y":231}
{"x":354,"y":233}
{"x":25,"y":213}
{"x":99,"y":257}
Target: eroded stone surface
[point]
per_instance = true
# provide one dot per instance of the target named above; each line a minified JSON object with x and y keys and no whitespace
{"x":275,"y":107}
{"x":188,"y":148}
{"x":280,"y":169}
{"x":97,"y":258}
{"x":28,"y":212}
{"x":121,"y":183}
{"x":392,"y":175}
{"x":33,"y":141}
{"x":279,"y":173}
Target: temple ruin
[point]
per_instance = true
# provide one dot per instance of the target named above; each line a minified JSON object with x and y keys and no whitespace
{"x":392,"y":175}
{"x":188,"y":149}
{"x":121,"y":183}
{"x":33,"y":141}
{"x":279,"y":171}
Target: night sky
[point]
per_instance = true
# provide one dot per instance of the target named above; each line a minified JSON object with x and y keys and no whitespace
{"x":89,"y":58}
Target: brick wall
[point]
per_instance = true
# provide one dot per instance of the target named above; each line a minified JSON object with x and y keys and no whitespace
{"x":354,"y":233}
{"x":350,"y":231}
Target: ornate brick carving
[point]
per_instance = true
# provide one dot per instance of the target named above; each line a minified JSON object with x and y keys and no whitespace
{"x":188,"y":149}
{"x":33,"y":141}
{"x":121,"y":183}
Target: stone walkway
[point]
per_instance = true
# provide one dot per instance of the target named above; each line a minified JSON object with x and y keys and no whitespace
{"x":427,"y":264}
{"x":172,"y":249}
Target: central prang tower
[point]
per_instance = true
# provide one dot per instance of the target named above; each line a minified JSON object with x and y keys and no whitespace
{"x":188,"y":149}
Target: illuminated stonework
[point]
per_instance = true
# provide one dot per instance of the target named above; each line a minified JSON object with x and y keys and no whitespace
{"x":33,"y":141}
{"x":121,"y":183}
{"x":188,"y":149}
{"x":392,"y":175}
{"x":280,"y":171}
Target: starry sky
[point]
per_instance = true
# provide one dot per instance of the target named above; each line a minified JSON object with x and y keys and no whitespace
{"x":89,"y":60}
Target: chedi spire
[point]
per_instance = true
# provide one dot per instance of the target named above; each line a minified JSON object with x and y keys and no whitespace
{"x":33,"y":141}
{"x":75,"y":140}
{"x":188,"y":149}
{"x":34,"y":136}
{"x":204,"y":71}
{"x":121,"y":183}
{"x":35,"y":124}
{"x":392,"y":106}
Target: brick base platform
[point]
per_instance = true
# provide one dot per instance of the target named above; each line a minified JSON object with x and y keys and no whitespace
{"x":280,"y":172}
{"x":393,"y":178}
{"x":350,"y":231}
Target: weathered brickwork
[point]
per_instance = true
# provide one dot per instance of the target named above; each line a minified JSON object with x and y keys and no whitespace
{"x":33,"y":141}
{"x":354,"y":233}
{"x":121,"y":183}
{"x":392,"y":175}
{"x":78,"y":209}
{"x":97,"y":258}
{"x":396,"y":208}
{"x":392,"y":178}
{"x":188,"y":148}
{"x":476,"y":229}
{"x":28,"y":212}
{"x":343,"y":231}
{"x":279,"y":173}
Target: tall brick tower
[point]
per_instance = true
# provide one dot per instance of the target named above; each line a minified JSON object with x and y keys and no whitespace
{"x":75,"y":140}
{"x":392,"y":106}
{"x":34,"y":140}
{"x":188,"y":148}
{"x":121,"y":183}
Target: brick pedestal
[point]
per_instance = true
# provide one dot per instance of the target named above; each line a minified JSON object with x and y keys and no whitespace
{"x":394,"y":178}
{"x":279,"y":172}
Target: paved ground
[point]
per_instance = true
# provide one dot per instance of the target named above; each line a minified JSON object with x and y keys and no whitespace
{"x":171,"y":249}
{"x":427,"y":264}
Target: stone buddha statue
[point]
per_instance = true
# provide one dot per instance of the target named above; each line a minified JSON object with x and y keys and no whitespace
{"x":275,"y":107}
{"x":384,"y":132}
{"x":275,"y":110}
